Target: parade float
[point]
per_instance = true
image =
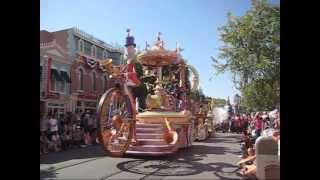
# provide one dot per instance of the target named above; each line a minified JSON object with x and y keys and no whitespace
{"x":164,"y":125}
{"x":203,"y":121}
{"x":200,"y":107}
{"x":211,"y":120}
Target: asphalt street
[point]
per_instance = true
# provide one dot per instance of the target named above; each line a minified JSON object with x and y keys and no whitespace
{"x":214,"y":158}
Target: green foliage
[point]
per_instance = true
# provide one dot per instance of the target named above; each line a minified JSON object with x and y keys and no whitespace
{"x":139,"y":69}
{"x":197,"y":95}
{"x":218,"y":102}
{"x":260,"y":96}
{"x":251,"y":52}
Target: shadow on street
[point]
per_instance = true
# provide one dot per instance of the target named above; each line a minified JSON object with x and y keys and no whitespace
{"x":47,"y":174}
{"x":82,"y":153}
{"x":186,"y":161}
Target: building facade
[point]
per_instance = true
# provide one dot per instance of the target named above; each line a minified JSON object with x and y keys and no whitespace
{"x":74,"y":81}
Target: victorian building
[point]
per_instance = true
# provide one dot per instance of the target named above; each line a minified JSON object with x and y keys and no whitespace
{"x":71,"y":79}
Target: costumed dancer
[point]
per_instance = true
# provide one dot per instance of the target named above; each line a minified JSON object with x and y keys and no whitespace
{"x":131,"y":77}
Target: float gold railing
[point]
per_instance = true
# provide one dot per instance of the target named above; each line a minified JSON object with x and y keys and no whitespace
{"x":170,"y":136}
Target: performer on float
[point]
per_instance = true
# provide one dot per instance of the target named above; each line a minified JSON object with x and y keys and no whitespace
{"x":132,"y":80}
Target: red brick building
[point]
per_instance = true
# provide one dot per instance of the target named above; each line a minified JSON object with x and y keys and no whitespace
{"x":80,"y":54}
{"x":88,"y":84}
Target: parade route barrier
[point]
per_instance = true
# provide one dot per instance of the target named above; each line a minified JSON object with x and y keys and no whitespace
{"x":267,"y":161}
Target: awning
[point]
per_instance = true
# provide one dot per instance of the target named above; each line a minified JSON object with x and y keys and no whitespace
{"x":65,"y":76}
{"x":55,"y":75}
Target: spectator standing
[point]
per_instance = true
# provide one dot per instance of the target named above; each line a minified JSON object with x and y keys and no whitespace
{"x":56,"y":141}
{"x":258,"y":123}
{"x":77,"y":136}
{"x":94,"y":134}
{"x":66,"y":139}
{"x":44,"y":123}
{"x":44,"y":145}
{"x":245,"y":122}
{"x":53,"y":124}
{"x":277,"y":122}
{"x":61,"y":123}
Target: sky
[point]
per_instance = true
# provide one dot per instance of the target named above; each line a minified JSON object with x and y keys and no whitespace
{"x":192,"y":23}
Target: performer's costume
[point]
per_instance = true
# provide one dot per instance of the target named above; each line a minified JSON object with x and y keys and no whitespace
{"x":131,"y":76}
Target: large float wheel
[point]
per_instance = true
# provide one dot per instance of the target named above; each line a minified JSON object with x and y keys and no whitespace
{"x":115,"y":122}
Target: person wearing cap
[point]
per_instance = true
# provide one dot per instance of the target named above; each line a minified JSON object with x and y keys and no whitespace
{"x":129,"y":70}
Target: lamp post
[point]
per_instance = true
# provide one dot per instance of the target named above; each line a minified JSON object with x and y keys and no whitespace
{"x":236,"y":102}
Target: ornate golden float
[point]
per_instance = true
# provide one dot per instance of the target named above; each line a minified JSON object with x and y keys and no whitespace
{"x":165,"y":125}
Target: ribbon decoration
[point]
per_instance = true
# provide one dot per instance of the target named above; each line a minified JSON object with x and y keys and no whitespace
{"x":92,"y":63}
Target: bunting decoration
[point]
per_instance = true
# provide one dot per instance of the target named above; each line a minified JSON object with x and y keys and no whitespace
{"x":92,"y":63}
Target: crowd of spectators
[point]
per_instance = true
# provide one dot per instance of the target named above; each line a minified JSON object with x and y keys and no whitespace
{"x":68,"y":131}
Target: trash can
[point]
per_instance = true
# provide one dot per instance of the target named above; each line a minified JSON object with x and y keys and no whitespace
{"x":267,"y":161}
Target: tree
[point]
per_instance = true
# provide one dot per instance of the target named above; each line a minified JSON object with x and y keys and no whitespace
{"x":218,"y":102}
{"x":251,"y":52}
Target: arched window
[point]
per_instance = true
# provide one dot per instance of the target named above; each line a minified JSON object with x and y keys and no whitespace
{"x":94,"y":87}
{"x":80,"y":79}
{"x":80,"y":45}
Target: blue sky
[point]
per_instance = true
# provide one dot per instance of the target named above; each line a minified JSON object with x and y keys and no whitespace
{"x":193,"y":23}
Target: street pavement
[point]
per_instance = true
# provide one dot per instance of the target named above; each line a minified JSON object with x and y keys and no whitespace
{"x":214,"y":158}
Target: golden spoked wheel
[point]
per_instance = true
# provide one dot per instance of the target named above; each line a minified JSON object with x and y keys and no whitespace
{"x":115,"y":119}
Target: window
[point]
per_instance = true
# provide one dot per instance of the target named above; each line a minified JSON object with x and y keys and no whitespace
{"x":62,"y":87}
{"x":94,"y":87}
{"x":55,"y":80}
{"x":100,"y":53}
{"x":80,"y":45}
{"x":80,"y":79}
{"x":105,"y":54}
{"x":93,"y":51}
{"x":52,"y":84}
{"x":87,"y":48}
{"x":56,"y":86}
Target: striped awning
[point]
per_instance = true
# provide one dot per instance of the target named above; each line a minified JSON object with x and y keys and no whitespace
{"x":55,"y":75}
{"x":65,"y":76}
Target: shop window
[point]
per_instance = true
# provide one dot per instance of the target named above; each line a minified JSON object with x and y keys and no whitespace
{"x":79,"y":103}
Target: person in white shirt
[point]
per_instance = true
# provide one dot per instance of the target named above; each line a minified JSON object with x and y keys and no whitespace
{"x":53,"y":124}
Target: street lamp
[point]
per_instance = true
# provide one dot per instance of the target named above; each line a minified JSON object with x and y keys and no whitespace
{"x":236,"y":102}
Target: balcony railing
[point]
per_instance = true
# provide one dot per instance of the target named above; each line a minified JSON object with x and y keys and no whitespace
{"x":97,"y":41}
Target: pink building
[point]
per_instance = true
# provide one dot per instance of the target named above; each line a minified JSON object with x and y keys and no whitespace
{"x":70,"y":78}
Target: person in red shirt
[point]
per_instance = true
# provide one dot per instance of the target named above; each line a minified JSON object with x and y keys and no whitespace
{"x":238,"y":123}
{"x":258,"y":124}
{"x":131,"y":75}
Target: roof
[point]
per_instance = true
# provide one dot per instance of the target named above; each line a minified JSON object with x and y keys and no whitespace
{"x":45,"y":36}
